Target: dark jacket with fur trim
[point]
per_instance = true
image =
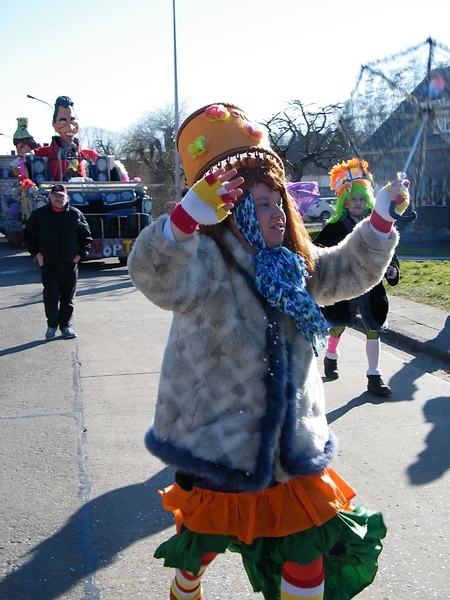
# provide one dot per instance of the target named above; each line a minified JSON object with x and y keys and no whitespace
{"x":240,"y":400}
{"x":373,"y":305}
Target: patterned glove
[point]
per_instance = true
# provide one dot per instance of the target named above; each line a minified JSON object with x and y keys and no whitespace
{"x":203,"y":204}
{"x":381,"y":219}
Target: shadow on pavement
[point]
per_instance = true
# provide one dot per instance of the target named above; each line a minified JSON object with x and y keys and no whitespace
{"x":94,"y":266}
{"x":23,"y":304}
{"x":90,"y":541}
{"x":405,"y":386}
{"x":434,"y":461}
{"x":364,"y":398}
{"x":23,"y":347}
{"x":101,"y":289}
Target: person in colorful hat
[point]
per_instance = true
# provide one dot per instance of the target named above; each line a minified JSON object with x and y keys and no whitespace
{"x":25,"y":192}
{"x":352,"y":182}
{"x":22,"y":139}
{"x":24,"y":143}
{"x":240,"y":412}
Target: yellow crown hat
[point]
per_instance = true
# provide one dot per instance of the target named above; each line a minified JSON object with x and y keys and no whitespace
{"x":216,"y":134}
{"x":344,"y":174}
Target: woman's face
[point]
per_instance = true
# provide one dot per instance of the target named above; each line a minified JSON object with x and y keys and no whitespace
{"x":356,"y":205}
{"x":270,"y":213}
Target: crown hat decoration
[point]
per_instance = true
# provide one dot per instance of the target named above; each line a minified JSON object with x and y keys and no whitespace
{"x":343,"y":175}
{"x":22,"y":131}
{"x":217,"y":133}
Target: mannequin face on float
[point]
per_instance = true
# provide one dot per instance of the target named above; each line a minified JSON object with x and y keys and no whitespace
{"x":66,"y":124}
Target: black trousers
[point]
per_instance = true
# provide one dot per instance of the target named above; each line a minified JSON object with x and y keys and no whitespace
{"x":60,"y":283}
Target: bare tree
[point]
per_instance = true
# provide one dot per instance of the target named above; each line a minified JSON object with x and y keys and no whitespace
{"x":304,"y":137}
{"x":102,"y":140}
{"x":149,"y":151}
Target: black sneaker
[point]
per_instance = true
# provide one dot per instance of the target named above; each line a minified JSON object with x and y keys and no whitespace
{"x":68,"y":333}
{"x":376,"y":386}
{"x":50,"y":333}
{"x":331,"y":369}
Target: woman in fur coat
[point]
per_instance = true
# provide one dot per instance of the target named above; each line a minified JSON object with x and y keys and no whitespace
{"x":240,"y":412}
{"x":355,"y":202}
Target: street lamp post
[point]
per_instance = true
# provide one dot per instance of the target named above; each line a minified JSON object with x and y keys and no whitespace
{"x":39,"y":100}
{"x":177,"y":156}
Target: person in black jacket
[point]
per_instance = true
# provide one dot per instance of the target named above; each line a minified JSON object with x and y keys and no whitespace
{"x":352,"y":183}
{"x":58,"y":237}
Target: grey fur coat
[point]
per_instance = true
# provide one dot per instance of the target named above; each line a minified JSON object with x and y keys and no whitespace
{"x":240,"y":400}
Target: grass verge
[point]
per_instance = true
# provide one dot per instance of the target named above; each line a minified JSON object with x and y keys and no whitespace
{"x":426,"y":282}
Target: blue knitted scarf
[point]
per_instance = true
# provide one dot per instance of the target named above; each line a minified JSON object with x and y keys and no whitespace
{"x":281,"y":278}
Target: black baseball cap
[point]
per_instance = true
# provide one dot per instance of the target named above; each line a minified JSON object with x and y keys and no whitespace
{"x":58,"y":188}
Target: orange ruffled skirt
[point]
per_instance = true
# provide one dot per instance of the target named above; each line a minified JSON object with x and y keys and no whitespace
{"x":287,"y":508}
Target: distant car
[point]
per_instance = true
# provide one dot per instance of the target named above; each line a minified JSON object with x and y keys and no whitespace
{"x":321,"y":209}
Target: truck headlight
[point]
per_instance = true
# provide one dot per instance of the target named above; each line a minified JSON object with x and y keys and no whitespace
{"x":147,"y":206}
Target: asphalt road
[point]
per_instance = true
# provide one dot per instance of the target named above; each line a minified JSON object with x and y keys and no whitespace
{"x":79,"y":510}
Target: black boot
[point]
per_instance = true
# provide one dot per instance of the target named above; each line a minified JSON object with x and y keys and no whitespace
{"x":331,"y":370}
{"x":376,"y":385}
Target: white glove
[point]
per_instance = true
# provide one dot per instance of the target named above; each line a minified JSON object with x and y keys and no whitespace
{"x":205,"y":200}
{"x":204,"y":203}
{"x":393,"y":192}
{"x":396,"y":191}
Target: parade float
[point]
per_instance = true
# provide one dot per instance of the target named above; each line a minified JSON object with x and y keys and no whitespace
{"x":116,"y":207}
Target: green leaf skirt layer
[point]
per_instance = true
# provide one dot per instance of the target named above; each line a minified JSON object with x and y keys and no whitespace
{"x":350,"y":543}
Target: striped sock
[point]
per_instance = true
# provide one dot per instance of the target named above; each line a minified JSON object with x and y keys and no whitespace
{"x":306,"y":581}
{"x":187,"y":586}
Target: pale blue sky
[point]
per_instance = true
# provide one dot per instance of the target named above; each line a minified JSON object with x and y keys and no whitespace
{"x":114,"y":58}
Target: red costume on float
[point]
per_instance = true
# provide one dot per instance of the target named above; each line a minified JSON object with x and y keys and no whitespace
{"x":73,"y":166}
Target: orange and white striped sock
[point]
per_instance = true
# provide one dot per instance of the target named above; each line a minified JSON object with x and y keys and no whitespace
{"x":306,"y":582}
{"x":187,"y":586}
